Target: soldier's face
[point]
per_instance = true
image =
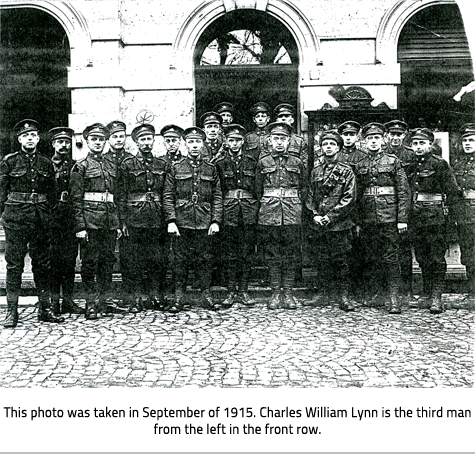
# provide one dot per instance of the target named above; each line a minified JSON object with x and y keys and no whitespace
{"x":261,"y":119}
{"x":227,"y":117}
{"x":235,"y":143}
{"x":211,"y":130}
{"x":117,"y":140}
{"x":395,"y":138}
{"x":194,"y":146}
{"x":172,"y":144}
{"x":62,"y":146}
{"x":287,"y":119}
{"x":421,"y":146}
{"x":29,"y":140}
{"x":96,"y":143}
{"x":468,"y":144}
{"x":279,"y":142}
{"x":145,"y":143}
{"x":349,"y":138}
{"x":330,"y":148}
{"x":374,"y":142}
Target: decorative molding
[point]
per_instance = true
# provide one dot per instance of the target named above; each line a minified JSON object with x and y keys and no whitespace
{"x":392,"y":24}
{"x":70,"y":18}
{"x":283,"y":10}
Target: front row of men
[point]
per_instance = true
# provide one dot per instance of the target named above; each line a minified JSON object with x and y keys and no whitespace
{"x":374,"y":195}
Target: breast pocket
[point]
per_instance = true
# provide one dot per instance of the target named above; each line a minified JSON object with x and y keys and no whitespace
{"x":206,"y":186}
{"x":293,"y":174}
{"x":16,"y":173}
{"x":249,"y":179}
{"x":158,"y":179}
{"x":183,"y":185}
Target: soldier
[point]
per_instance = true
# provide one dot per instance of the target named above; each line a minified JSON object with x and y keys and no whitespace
{"x":141,"y":181}
{"x":237,"y":174}
{"x":382,"y":211}
{"x":64,"y":244}
{"x":93,"y":186}
{"x":396,"y":132}
{"x":193,"y":205}
{"x":434,"y":190}
{"x":117,"y":153}
{"x":27,"y":193}
{"x":172,"y":136}
{"x":464,"y":171}
{"x":331,"y":197}
{"x":285,"y":113}
{"x":116,"y":140}
{"x":226,"y":110}
{"x":211,"y":123}
{"x":350,"y":154}
{"x":281,"y":185}
{"x":257,"y":139}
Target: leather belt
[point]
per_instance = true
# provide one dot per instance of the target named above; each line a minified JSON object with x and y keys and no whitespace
{"x":28,"y":198}
{"x":150,"y":196}
{"x":379,"y":190}
{"x":238,"y":194}
{"x":427,"y":197}
{"x":469,"y":194}
{"x":98,"y":197}
{"x":281,"y":193}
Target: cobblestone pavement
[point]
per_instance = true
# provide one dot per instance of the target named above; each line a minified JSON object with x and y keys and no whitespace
{"x":314,"y":346}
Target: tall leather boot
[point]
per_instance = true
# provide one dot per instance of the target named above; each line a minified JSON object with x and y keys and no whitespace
{"x":45,"y":311}
{"x":394,"y":304}
{"x":207,"y":300}
{"x":345,"y":303}
{"x":11,"y":318}
{"x":68,"y":305}
{"x":55,"y":305}
{"x":275,"y":276}
{"x":231,"y":267}
{"x":436,"y":299}
{"x":427,"y":287}
{"x":290,"y":302}
{"x":92,"y":301}
{"x":178,"y":301}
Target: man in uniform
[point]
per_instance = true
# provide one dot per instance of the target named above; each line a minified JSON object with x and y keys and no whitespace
{"x":331,"y":197}
{"x":237,"y":174}
{"x":350,"y":154}
{"x":257,"y":139}
{"x":396,"y":132}
{"x":434,"y":191}
{"x":141,"y":181}
{"x":285,"y":113}
{"x":27,"y":194}
{"x":193,"y":205}
{"x":93,"y":187}
{"x":226,"y":110}
{"x":117,"y":153}
{"x":383,"y":205}
{"x":464,"y":171}
{"x":281,"y":180}
{"x":172,"y":136}
{"x":64,"y":243}
{"x":211,"y":123}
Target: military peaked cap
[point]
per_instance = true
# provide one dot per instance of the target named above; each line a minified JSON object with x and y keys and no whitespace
{"x":284,"y":109}
{"x":332,"y":135}
{"x":96,"y":128}
{"x":211,"y":117}
{"x":468,"y":129}
{"x":422,"y":134}
{"x":194,"y":132}
{"x":224,"y":107}
{"x":61,"y":133}
{"x":260,"y":107}
{"x":373,"y":128}
{"x":142,"y":129}
{"x":171,"y":130}
{"x":26,"y":126}
{"x":396,"y":126}
{"x":234,"y":130}
{"x":279,"y":128}
{"x":349,"y":126}
{"x":116,"y":126}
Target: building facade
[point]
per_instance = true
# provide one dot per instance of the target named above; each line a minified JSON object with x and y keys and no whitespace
{"x":77,"y":62}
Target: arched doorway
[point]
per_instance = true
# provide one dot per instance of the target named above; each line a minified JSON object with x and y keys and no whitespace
{"x":244,"y":57}
{"x":34,"y":56}
{"x":435,"y":64}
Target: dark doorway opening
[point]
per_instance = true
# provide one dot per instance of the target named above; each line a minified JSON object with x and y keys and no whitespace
{"x":435,"y":64}
{"x":34,"y":57}
{"x":246,"y":57}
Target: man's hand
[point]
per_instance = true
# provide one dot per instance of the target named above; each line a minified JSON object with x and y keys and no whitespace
{"x":125,"y":230}
{"x":82,"y":235}
{"x":322,"y":221}
{"x":213,"y":229}
{"x":119,"y":233}
{"x":173,"y":229}
{"x":402,"y":227}
{"x":358,"y":230}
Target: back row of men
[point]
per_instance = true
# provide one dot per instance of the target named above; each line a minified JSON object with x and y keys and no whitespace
{"x":361,"y":205}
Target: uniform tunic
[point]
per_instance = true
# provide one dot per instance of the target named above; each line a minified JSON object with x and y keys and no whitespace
{"x":27,"y":193}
